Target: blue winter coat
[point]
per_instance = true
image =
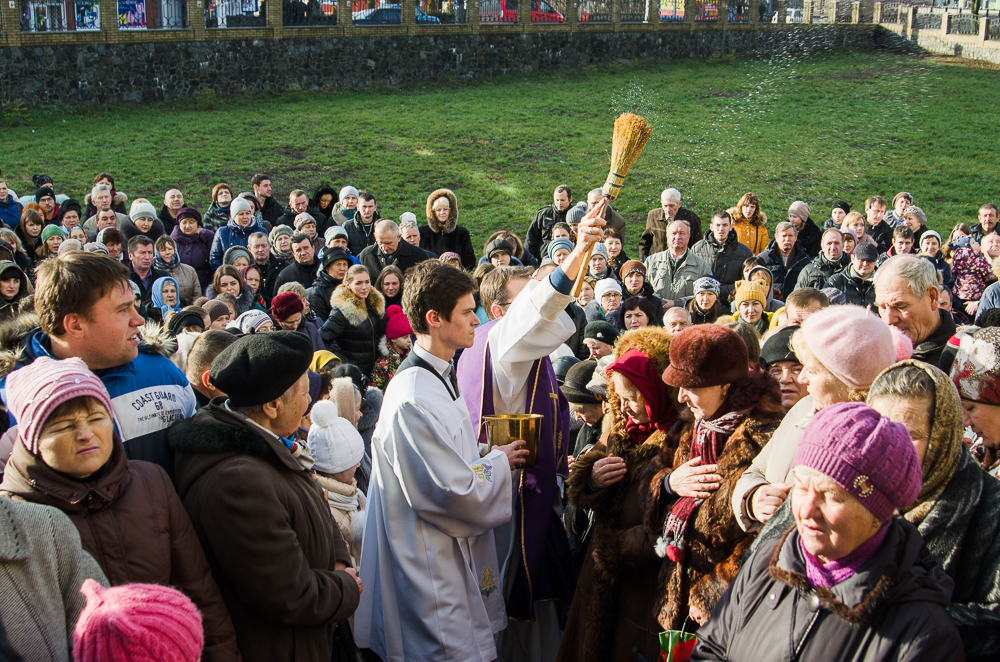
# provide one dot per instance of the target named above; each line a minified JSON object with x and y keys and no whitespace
{"x":10,"y":211}
{"x":228,"y":236}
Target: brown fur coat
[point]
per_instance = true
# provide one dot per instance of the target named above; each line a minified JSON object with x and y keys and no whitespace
{"x":614,"y":605}
{"x":716,"y":543}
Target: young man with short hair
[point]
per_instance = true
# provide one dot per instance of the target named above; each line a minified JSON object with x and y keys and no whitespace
{"x":876,"y":226}
{"x":361,"y":228}
{"x":270,"y":210}
{"x":144,"y":274}
{"x":86,"y":309}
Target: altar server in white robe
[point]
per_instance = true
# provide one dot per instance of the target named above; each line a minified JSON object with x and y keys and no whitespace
{"x":429,"y":564}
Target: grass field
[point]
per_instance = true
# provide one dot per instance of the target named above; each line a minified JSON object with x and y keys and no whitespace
{"x":817,"y":128}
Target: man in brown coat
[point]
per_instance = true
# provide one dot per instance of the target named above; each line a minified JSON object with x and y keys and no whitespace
{"x":654,"y":237}
{"x":266,"y":528}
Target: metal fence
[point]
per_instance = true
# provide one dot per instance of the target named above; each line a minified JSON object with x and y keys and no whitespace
{"x":929,"y":21}
{"x":548,"y":11}
{"x":370,"y":12}
{"x":235,"y":14}
{"x":594,"y":11}
{"x":497,"y":11}
{"x":893,"y":13}
{"x":152,"y":15}
{"x":59,"y":16}
{"x":993,"y":29}
{"x":300,"y":13}
{"x":739,"y":11}
{"x":967,"y":24}
{"x":633,"y":11}
{"x":434,"y":12}
{"x":671,"y":11}
{"x":706,"y":11}
{"x":768,"y":11}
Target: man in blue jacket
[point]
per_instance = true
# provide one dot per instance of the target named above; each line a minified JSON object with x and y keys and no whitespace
{"x":86,"y":309}
{"x":10,"y":208}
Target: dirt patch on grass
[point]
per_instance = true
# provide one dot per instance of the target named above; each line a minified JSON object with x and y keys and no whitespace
{"x":953,"y":61}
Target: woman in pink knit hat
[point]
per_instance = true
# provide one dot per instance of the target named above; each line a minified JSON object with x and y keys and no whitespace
{"x":130,"y":519}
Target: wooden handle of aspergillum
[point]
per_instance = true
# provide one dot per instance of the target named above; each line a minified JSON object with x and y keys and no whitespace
{"x":585,"y":267}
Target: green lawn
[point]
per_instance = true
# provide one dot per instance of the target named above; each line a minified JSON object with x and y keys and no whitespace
{"x":817,"y":128}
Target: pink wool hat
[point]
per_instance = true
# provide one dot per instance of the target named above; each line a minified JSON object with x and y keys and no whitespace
{"x":851,"y":343}
{"x":865,"y":453}
{"x":36,"y":390}
{"x":397,"y":325}
{"x":137,"y":623}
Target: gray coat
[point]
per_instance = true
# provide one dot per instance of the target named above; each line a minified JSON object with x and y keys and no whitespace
{"x":894,"y":608}
{"x":726,"y":261}
{"x":671,"y":283}
{"x":43,"y":567}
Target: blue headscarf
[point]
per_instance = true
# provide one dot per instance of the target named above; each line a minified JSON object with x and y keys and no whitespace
{"x":158,"y":295}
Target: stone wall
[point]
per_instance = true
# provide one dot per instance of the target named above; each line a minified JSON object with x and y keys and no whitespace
{"x":147,"y":72}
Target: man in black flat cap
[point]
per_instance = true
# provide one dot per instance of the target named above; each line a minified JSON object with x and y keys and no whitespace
{"x":274,"y":549}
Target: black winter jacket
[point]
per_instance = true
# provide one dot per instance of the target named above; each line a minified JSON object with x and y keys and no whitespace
{"x":540,"y":230}
{"x":360,"y":236}
{"x":319,"y":295}
{"x":810,"y":237}
{"x":322,"y":221}
{"x":859,"y":292}
{"x":355,"y":327}
{"x":295,"y":272}
{"x":405,"y":256}
{"x":819,"y":270}
{"x":725,"y":261}
{"x":882,"y":234}
{"x":894,"y":608}
{"x":785,"y":277}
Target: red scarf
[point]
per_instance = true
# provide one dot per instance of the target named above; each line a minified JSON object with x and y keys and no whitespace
{"x":641,"y":370}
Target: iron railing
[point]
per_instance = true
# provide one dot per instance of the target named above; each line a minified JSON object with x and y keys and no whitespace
{"x":706,"y":11}
{"x":739,"y":11}
{"x":768,"y":11}
{"x":632,"y":11}
{"x":929,"y":21}
{"x":497,"y":11}
{"x":59,"y":15}
{"x":993,"y":29}
{"x":235,"y":14}
{"x":671,"y":11}
{"x":548,"y":11}
{"x":152,"y":14}
{"x":967,"y":24}
{"x":450,"y":12}
{"x":594,"y":11}
{"x":371,"y":12}
{"x":301,"y":13}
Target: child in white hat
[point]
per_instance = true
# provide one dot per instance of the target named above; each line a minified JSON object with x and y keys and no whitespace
{"x":337,"y":448}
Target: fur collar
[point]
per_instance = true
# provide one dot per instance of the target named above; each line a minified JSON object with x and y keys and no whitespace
{"x":432,"y":220}
{"x":354,"y":309}
{"x":371,"y":405}
{"x":197,"y":438}
{"x":858,"y":615}
{"x":12,"y":335}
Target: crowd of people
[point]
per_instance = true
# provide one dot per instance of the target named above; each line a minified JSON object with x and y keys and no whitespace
{"x":258,"y":432}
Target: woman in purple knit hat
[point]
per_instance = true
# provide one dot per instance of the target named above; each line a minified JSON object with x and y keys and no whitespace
{"x":850,"y":581}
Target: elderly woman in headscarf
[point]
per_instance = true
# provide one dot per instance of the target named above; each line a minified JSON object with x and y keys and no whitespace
{"x":850,"y":581}
{"x":614,"y":607}
{"x":735,"y":413}
{"x":841,"y":349}
{"x":976,"y":373}
{"x":958,"y":509}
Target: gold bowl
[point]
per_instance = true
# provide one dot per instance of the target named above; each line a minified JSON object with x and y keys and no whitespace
{"x":505,"y":428}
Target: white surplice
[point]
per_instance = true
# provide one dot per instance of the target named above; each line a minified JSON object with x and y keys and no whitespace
{"x":431,"y":578}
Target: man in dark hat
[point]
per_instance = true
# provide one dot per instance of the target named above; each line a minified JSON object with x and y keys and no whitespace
{"x":778,"y":359}
{"x":274,"y":550}
{"x":600,"y":337}
{"x":857,"y":279}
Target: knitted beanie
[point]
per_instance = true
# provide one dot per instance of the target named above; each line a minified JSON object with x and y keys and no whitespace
{"x":70,"y":245}
{"x":600,"y":249}
{"x":252,"y":320}
{"x":851,"y":343}
{"x":234,"y":252}
{"x":976,"y":370}
{"x":865,"y":453}
{"x":333,"y":232}
{"x":188,"y":212}
{"x":605,"y":286}
{"x":397,"y":325}
{"x":449,"y":256}
{"x":215,"y":309}
{"x":407,"y":216}
{"x":346,"y":191}
{"x":751,"y":290}
{"x":302,"y":219}
{"x":930,"y":233}
{"x":238,"y":205}
{"x":137,"y":623}
{"x":499,"y":245}
{"x":51,"y":231}
{"x":44,"y":192}
{"x":706,"y":355}
{"x":556,"y":244}
{"x":37,"y":389}
{"x":916,"y":211}
{"x":334,"y":443}
{"x":278,"y":231}
{"x":707,"y":284}
{"x":633,"y":267}
{"x":142,"y":210}
{"x":800,"y":209}
{"x":285,"y":305}
{"x":843,"y":206}
{"x":95,"y":247}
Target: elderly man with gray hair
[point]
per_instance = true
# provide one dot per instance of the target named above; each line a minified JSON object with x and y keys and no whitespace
{"x":389,"y":248}
{"x":173,"y":201}
{"x":101,"y":198}
{"x":654,"y":237}
{"x":906,"y":293}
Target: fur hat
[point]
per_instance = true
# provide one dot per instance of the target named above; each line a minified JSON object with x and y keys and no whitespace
{"x":865,"y":453}
{"x":259,"y":368}
{"x":137,"y":623}
{"x":397,"y":325}
{"x":285,"y":305}
{"x":333,"y":254}
{"x":334,"y":443}
{"x":706,"y":355}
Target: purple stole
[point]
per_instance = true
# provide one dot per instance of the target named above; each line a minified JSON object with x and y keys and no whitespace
{"x":546,"y":565}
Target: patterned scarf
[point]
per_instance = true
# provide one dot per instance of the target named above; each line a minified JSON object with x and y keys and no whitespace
{"x":709,"y":439}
